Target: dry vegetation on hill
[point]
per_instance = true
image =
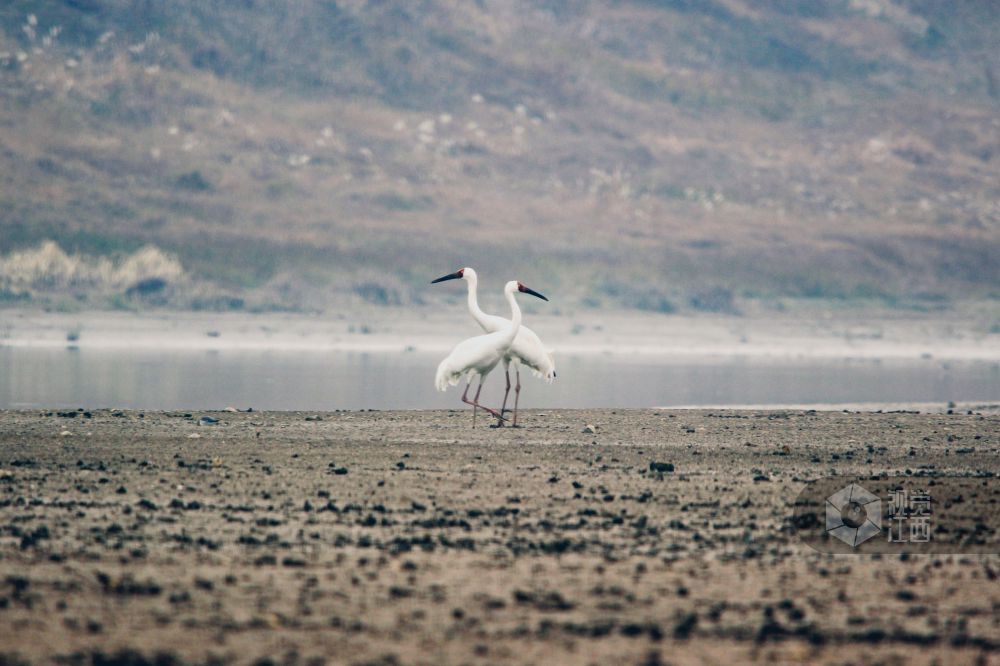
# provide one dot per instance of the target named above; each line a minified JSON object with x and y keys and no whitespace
{"x":656,"y":155}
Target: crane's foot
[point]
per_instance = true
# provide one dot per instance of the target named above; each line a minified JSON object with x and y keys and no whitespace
{"x":493,"y":412}
{"x":475,"y":404}
{"x":513,"y":425}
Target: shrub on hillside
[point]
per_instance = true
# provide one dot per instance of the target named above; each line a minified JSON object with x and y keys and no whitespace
{"x":49,"y":267}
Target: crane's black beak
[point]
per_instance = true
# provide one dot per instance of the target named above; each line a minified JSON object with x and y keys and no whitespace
{"x":451,"y":276}
{"x":529,"y":290}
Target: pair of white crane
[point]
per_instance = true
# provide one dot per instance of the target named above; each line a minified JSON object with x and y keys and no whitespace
{"x":505,"y":340}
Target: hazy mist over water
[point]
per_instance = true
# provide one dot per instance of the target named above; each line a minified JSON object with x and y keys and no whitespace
{"x":347,"y":380}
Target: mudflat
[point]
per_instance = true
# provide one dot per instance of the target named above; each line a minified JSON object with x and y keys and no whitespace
{"x":597,"y":536}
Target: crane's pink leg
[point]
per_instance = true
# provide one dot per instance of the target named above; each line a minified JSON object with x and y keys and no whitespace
{"x":517,"y":392}
{"x":475,"y":403}
{"x":491,"y":411}
{"x":465,"y":399}
{"x":503,"y":408}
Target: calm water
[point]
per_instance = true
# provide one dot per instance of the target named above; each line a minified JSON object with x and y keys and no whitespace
{"x":322,"y":381}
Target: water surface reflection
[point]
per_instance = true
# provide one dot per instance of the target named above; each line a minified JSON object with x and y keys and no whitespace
{"x":146,"y":379}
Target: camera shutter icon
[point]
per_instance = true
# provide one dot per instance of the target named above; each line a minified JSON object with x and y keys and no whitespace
{"x":853,"y":515}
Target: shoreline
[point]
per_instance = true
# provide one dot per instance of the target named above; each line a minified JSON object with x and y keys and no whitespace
{"x":968,"y":408}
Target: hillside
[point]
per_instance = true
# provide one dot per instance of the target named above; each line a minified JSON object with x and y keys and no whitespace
{"x":682,"y":154}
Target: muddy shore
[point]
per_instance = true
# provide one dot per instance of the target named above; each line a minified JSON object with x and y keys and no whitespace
{"x":410,"y":538}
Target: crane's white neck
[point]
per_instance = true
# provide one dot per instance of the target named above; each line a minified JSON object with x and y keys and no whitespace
{"x":474,"y":308}
{"x":515,"y":312}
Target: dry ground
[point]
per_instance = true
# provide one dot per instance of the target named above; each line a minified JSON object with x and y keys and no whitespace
{"x":407,"y":537}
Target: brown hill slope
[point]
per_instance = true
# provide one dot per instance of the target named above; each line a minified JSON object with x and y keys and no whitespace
{"x":647,"y":154}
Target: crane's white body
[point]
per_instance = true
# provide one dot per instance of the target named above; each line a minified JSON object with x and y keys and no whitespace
{"x":527,"y":348}
{"x":479,"y":355}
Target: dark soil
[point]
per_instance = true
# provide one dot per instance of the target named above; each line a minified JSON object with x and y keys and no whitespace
{"x":409,"y":538}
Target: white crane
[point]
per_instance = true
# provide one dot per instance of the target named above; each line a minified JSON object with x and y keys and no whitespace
{"x":527,"y":348}
{"x":480,"y":354}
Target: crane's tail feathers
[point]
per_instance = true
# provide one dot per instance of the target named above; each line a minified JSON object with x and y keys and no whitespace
{"x":551,"y":373}
{"x":547,"y":375}
{"x":445,"y":378}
